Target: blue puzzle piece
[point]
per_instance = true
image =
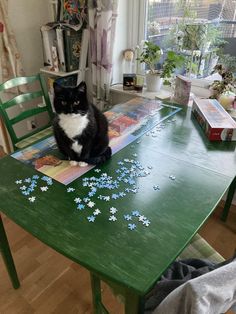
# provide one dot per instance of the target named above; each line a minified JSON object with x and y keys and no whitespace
{"x":146,"y":223}
{"x":86,"y":199}
{"x":45,"y":178}
{"x":25,"y":193}
{"x":91,"y":218}
{"x":115,"y":196}
{"x":80,"y":207}
{"x":35,"y":177}
{"x":127,"y":217}
{"x":135,"y":213}
{"x":131,"y":227}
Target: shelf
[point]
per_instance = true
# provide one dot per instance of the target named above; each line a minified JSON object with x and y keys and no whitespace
{"x":61,"y":74}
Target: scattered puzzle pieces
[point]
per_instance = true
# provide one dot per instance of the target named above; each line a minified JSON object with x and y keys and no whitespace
{"x":131,"y":226}
{"x":127,"y":217}
{"x":112,"y":188}
{"x":44,"y":188}
{"x":32,"y":199}
{"x":69,"y":190}
{"x":112,"y":218}
{"x":113,"y":210}
{"x":96,"y":212}
{"x":91,"y":218}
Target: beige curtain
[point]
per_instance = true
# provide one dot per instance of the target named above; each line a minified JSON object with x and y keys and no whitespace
{"x":10,"y":61}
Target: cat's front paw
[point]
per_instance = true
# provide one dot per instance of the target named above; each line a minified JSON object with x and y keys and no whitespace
{"x":73,"y":163}
{"x":108,"y":152}
{"x":82,"y":164}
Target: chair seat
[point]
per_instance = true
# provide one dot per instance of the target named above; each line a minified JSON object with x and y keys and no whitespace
{"x":199,"y":248}
{"x":34,"y":138}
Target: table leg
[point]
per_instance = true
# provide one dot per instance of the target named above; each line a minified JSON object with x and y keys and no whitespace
{"x":98,"y":307}
{"x":133,"y":303}
{"x":229,"y":199}
{"x":7,"y":257}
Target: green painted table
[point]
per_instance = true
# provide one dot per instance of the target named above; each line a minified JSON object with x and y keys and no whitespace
{"x":130,"y":260}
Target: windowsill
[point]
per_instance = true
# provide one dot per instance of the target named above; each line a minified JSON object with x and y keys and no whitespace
{"x":165,"y":92}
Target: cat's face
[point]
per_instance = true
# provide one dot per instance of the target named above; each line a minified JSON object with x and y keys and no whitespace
{"x":70,"y":100}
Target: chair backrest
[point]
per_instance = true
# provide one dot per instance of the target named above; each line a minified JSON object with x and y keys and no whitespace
{"x":25,"y":98}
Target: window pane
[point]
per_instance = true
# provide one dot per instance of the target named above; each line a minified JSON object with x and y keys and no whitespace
{"x":169,"y":12}
{"x":214,"y":21}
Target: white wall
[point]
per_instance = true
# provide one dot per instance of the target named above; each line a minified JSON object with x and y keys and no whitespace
{"x":26,"y":17}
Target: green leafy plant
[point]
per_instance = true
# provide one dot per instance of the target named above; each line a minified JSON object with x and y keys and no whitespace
{"x":152,"y":53}
{"x":228,"y":82}
{"x":214,"y":36}
{"x":171,"y":62}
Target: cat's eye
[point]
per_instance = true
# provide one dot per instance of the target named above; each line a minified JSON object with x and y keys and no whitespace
{"x":76,"y":102}
{"x":63,"y":103}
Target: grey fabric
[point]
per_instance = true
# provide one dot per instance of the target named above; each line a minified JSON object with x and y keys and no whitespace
{"x":211,"y":293}
{"x":176,"y":275}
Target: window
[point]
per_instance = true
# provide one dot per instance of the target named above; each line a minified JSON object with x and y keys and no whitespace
{"x":168,"y":22}
{"x":163,"y":14}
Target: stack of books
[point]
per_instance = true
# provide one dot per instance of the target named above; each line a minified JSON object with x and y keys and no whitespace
{"x":62,"y":45}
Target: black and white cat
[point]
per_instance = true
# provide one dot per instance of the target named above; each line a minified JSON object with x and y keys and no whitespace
{"x":80,"y":129}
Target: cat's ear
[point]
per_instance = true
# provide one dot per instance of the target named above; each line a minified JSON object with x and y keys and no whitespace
{"x":57,"y":88}
{"x":82,"y":87}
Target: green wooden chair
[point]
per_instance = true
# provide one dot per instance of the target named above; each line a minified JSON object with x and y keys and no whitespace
{"x":30,"y":104}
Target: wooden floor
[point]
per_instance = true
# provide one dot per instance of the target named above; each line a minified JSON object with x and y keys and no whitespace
{"x":50,"y":283}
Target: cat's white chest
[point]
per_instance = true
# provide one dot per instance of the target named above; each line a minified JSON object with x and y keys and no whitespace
{"x":73,"y":124}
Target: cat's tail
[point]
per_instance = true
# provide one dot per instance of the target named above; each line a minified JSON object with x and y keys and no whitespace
{"x":101,"y":158}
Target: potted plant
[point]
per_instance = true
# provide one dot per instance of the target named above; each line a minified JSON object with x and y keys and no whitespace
{"x":224,"y":90}
{"x":151,"y":55}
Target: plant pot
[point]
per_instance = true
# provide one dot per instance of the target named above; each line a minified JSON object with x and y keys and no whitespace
{"x":153,"y":82}
{"x":226,"y":100}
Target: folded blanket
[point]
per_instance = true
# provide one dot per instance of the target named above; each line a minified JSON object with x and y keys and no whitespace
{"x":179,"y":273}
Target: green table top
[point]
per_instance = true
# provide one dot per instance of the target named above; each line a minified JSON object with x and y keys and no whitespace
{"x":134,"y":259}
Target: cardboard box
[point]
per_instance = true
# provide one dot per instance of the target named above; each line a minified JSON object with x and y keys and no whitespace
{"x":215,"y":121}
{"x":182,"y":90}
